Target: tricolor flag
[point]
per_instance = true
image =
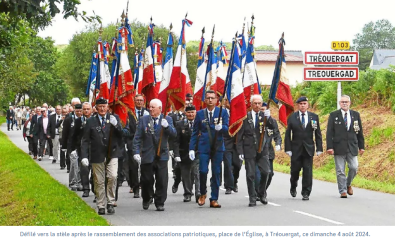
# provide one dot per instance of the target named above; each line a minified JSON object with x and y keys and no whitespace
{"x":200,"y":82}
{"x":250,"y":78}
{"x":280,"y":92}
{"x":92,"y":78}
{"x":211,"y":70}
{"x":222,"y":66}
{"x":148,"y":84}
{"x":243,"y":51}
{"x":180,"y":84}
{"x":104,"y":75}
{"x":234,"y":92}
{"x":167,"y":69}
{"x":140,"y":73}
{"x":136,"y":70}
{"x":157,"y":66}
{"x":123,"y":79}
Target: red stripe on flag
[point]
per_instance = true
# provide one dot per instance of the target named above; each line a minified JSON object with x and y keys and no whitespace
{"x":237,"y":114}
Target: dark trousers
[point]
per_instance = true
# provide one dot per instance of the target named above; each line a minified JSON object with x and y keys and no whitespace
{"x":156,"y":172}
{"x":228,"y":174}
{"x":30,"y":141}
{"x":176,"y":173}
{"x":68,"y":151}
{"x":10,"y":122}
{"x":42,"y":146}
{"x":91,"y":181}
{"x":120,"y":176}
{"x":262,"y":161}
{"x":35,"y":145}
{"x":216,"y":162}
{"x":236,"y":166}
{"x":304,"y":161}
{"x":84,"y":175}
{"x":258,"y":175}
{"x":133,"y":172}
{"x":62,"y":157}
{"x":186,"y":175}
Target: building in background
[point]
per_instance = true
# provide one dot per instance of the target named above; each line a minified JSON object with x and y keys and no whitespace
{"x":382,"y":58}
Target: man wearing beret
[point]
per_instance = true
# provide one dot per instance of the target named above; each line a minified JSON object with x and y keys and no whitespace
{"x":104,"y":164}
{"x":189,"y":169}
{"x":74,"y":176}
{"x":302,"y":127}
{"x":145,"y":148}
{"x":344,"y":139}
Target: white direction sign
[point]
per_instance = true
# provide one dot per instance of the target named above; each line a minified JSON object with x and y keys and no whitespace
{"x":331,"y":74}
{"x":331,"y":58}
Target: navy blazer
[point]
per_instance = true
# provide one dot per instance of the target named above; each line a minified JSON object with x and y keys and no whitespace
{"x":200,"y":129}
{"x":146,"y":139}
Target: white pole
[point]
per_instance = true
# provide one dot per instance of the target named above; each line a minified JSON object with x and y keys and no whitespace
{"x":339,"y":93}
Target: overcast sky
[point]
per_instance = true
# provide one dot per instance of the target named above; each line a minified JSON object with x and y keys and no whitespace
{"x":308,"y":25}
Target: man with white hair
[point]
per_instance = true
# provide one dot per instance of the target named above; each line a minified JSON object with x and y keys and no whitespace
{"x":344,"y":139}
{"x":146,"y":148}
{"x":248,"y":141}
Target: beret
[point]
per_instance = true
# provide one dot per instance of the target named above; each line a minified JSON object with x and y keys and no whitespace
{"x":190,"y":108}
{"x":302,"y":99}
{"x":189,"y":95}
{"x":78,"y":106}
{"x":101,"y":101}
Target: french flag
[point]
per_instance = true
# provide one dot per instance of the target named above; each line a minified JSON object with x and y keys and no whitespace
{"x":250,"y":78}
{"x":157,"y":66}
{"x":243,"y":51}
{"x":147,"y":87}
{"x":222,"y":65}
{"x":234,"y":92}
{"x":211,"y":71}
{"x":167,"y":69}
{"x":140,"y":72}
{"x":92,"y":78}
{"x":123,"y":79}
{"x":200,"y":82}
{"x":180,"y":84}
{"x":104,"y":72}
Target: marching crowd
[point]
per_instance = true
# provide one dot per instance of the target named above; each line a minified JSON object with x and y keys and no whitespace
{"x":99,"y":153}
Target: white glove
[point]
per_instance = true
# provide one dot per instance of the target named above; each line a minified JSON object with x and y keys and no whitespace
{"x":289,"y":153}
{"x":319,"y":153}
{"x":164,"y":123}
{"x":218,"y":127}
{"x":137,"y":158}
{"x":241,"y":157}
{"x":267,"y":113}
{"x":171,"y":153}
{"x":177,"y":159}
{"x":278,"y":147}
{"x":192,"y":155}
{"x":85,"y":162}
{"x":113,"y":120}
{"x":74,"y":154}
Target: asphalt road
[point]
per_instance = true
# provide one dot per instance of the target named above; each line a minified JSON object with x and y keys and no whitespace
{"x":325,"y":207}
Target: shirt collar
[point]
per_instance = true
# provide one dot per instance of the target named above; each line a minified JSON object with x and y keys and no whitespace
{"x":343,"y":112}
{"x":300,"y":113}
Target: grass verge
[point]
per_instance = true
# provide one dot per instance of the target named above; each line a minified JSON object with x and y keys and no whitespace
{"x":328,"y":173}
{"x":30,"y":196}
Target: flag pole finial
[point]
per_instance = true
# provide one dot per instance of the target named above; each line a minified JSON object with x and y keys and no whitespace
{"x":123,"y":18}
{"x":171,"y":26}
{"x":212,"y":36}
{"x":127,"y":8}
{"x":101,"y":30}
{"x":252,"y":19}
{"x":151,"y":19}
{"x":203,"y":30}
{"x":244,"y":25}
{"x":186,"y":15}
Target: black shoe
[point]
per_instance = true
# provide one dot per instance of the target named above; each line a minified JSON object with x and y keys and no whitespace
{"x":110,"y":209}
{"x":252,"y":204}
{"x":101,"y":211}
{"x":160,"y":208}
{"x":174,"y":188}
{"x":228,"y":191}
{"x":86,"y":193}
{"x":236,"y":188}
{"x":94,"y":200}
{"x":68,"y":171}
{"x":293,"y":192}
{"x":305,"y":197}
{"x":136,"y":195}
{"x":146,"y":204}
{"x":263,"y":200}
{"x":187,"y":198}
{"x":62,"y":168}
{"x":54,"y":161}
{"x":257,"y":199}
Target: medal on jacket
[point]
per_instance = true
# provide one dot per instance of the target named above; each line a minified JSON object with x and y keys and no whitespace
{"x":314,"y":124}
{"x":269,"y":132}
{"x":260,"y":126}
{"x":356,"y":127}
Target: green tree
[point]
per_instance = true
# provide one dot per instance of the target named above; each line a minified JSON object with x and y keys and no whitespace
{"x":378,"y":35}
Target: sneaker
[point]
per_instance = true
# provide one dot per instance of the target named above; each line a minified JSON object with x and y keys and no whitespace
{"x":50,"y":157}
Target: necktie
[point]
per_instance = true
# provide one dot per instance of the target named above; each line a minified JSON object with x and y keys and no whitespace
{"x":303,"y":122}
{"x":190,"y":124}
{"x":211,"y":117}
{"x":57,"y":120}
{"x":103,"y":123}
{"x":155,"y":124}
{"x":138,"y":114}
{"x":345,"y":120}
{"x":256,"y":120}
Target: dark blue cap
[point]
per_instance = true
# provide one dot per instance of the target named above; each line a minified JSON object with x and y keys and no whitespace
{"x":302,"y":99}
{"x":101,"y":101}
{"x":190,"y":108}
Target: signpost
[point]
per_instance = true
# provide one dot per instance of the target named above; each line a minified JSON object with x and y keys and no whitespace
{"x":335,"y":69}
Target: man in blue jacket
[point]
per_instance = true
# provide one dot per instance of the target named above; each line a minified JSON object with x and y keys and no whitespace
{"x":145,"y":149}
{"x":206,"y":125}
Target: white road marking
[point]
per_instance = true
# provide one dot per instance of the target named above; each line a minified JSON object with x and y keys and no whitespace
{"x":270,"y":203}
{"x":318,"y":217}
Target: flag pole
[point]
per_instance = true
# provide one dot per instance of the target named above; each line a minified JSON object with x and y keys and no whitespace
{"x":201,"y":100}
{"x":212,"y":150}
{"x":115,"y":91}
{"x":278,"y":66}
{"x":167,"y":105}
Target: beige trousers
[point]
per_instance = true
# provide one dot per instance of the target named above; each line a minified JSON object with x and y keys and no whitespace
{"x":100,"y":172}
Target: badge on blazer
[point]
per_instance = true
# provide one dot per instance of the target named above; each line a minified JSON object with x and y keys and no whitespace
{"x":98,"y":129}
{"x":356,"y":127}
{"x":183,"y":131}
{"x":314,"y":124}
{"x":336,"y":118}
{"x":269,"y":132}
